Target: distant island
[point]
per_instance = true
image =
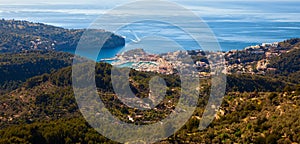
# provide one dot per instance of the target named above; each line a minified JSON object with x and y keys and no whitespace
{"x":16,"y":36}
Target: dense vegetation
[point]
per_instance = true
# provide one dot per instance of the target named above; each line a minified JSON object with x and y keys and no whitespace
{"x":249,"y":118}
{"x":17,"y":68}
{"x":50,"y":96}
{"x":60,"y":131}
{"x":251,"y":83}
{"x":44,"y":109}
{"x":16,"y":36}
{"x":242,"y":57}
{"x":287,"y":63}
{"x":291,"y":43}
{"x":243,"y":118}
{"x":256,"y":117}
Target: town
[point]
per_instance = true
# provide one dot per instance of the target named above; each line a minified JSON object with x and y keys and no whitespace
{"x":251,"y":60}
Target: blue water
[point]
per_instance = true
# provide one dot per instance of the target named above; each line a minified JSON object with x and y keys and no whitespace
{"x":129,"y":64}
{"x":236,"y":24}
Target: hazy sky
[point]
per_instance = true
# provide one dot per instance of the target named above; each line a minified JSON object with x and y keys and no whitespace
{"x":255,"y":10}
{"x":5,"y":2}
{"x":43,"y":1}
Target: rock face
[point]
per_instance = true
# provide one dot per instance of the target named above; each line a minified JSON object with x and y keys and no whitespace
{"x":17,"y":36}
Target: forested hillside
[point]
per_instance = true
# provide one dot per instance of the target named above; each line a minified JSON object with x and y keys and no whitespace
{"x":251,"y":117}
{"x":287,"y":63}
{"x":256,"y":109}
{"x":16,"y":36}
{"x":17,"y":68}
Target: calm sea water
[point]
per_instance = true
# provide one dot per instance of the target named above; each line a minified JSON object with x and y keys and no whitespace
{"x":236,"y":24}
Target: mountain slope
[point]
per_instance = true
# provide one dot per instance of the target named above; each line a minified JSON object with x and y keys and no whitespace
{"x":17,"y":68}
{"x":16,"y":36}
{"x":287,"y":63}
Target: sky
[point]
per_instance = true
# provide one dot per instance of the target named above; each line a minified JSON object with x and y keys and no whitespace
{"x":113,"y":2}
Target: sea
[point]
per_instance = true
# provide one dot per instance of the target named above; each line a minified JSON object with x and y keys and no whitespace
{"x":235,"y":24}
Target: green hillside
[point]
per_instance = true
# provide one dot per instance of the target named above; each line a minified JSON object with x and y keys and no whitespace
{"x":17,"y":68}
{"x":16,"y":36}
{"x":47,"y":102}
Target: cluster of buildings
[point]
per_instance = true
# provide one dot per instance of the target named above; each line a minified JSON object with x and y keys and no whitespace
{"x":259,"y":58}
{"x":142,"y":61}
{"x":40,"y":44}
{"x":168,"y":63}
{"x":173,"y":62}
